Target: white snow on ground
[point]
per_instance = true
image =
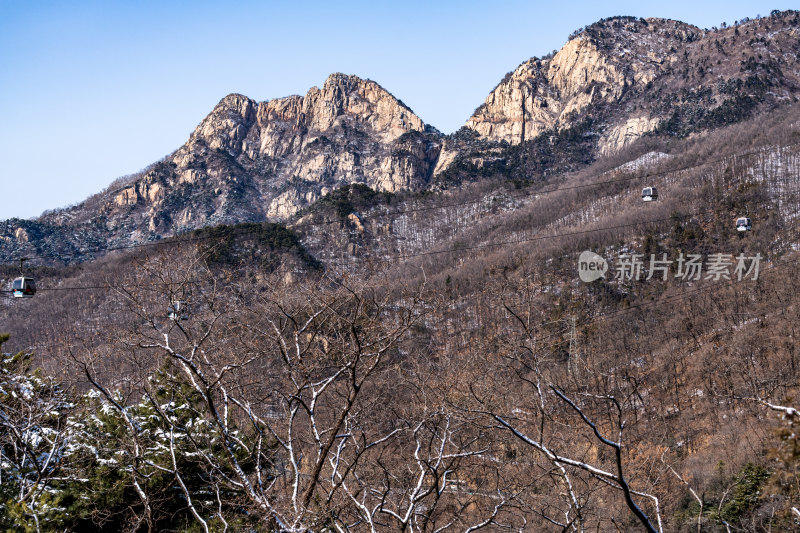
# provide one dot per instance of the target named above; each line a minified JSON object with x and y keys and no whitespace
{"x":779,"y":168}
{"x":647,"y":160}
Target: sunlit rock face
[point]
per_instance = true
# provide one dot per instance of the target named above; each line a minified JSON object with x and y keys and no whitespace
{"x":630,"y":76}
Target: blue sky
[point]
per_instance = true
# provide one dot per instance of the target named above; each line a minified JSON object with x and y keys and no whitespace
{"x":90,"y":91}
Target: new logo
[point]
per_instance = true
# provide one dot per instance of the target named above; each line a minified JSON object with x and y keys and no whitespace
{"x":591,"y":266}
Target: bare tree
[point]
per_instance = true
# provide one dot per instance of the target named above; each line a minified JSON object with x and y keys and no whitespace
{"x":296,"y":388}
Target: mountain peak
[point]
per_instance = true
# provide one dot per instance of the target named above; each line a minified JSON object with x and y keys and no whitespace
{"x":628,"y":76}
{"x":235,"y":103}
{"x":340,"y":78}
{"x":249,"y":160}
{"x":233,"y":99}
{"x":366,"y":88}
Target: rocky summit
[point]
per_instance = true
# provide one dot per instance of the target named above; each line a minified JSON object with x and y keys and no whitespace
{"x":634,"y":76}
{"x":254,"y":160}
{"x":251,"y":161}
{"x":289,"y":152}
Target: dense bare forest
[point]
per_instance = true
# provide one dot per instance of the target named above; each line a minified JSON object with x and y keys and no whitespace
{"x":430,"y":360}
{"x":386,"y":370}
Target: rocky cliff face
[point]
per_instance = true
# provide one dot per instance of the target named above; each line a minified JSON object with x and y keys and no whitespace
{"x":251,"y":160}
{"x":631,"y":76}
{"x":540,"y":94}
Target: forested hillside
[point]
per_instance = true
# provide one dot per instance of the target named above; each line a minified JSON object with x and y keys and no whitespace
{"x":428,"y":359}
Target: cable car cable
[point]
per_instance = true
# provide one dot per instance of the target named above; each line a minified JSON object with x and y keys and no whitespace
{"x":395,"y":258}
{"x":604,"y":316}
{"x":183,"y":238}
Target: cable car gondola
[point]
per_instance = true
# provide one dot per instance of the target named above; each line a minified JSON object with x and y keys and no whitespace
{"x":23,"y":287}
{"x":743,"y":224}
{"x":649,"y":194}
{"x":179,"y":310}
